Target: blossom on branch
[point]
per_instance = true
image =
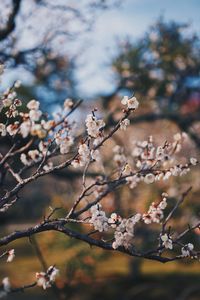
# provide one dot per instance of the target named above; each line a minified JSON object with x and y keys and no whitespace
{"x":167,"y":241}
{"x":45,"y":280}
{"x":131,"y":103}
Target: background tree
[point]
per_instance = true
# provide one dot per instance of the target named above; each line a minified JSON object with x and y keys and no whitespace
{"x":45,"y":38}
{"x":162,"y":68}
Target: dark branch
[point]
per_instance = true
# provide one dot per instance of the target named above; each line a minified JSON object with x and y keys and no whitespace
{"x":10,"y":26}
{"x":59,"y":226}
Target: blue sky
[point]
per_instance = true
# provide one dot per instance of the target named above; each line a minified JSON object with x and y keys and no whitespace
{"x":132,"y":19}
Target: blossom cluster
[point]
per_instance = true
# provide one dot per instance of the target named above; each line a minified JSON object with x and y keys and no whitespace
{"x":124,"y":227}
{"x":98,"y":219}
{"x":124,"y":232}
{"x":131,"y":103}
{"x":149,"y":163}
{"x":33,"y":122}
{"x":155,"y":212}
{"x":85,"y":155}
{"x":56,"y":131}
{"x":94,"y":126}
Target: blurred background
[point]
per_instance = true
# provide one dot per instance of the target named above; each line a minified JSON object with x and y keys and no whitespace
{"x":100,"y":50}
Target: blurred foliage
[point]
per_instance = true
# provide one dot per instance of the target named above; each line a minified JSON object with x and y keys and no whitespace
{"x":163,"y":65}
{"x":43,"y":39}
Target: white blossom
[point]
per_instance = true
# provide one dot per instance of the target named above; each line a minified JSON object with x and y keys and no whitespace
{"x":7,"y":102}
{"x":17,"y":102}
{"x":114,"y":220}
{"x":155,"y":212}
{"x":186,"y":249}
{"x":34,"y":154}
{"x":43,"y":147}
{"x":12,"y":112}
{"x":149,"y":178}
{"x":83,"y":157}
{"x":12,"y":95}
{"x":193,"y":161}
{"x":48,"y":166}
{"x":25,"y":128}
{"x":65,"y":144}
{"x":13,"y":128}
{"x":17,"y":84}
{"x":167,"y":241}
{"x":95,"y":155}
{"x":25,"y":160}
{"x":42,"y":280}
{"x":52,"y":273}
{"x":167,"y":175}
{"x":124,"y":232}
{"x":133,"y":181}
{"x":84,"y":152}
{"x":33,"y":105}
{"x":124,"y":124}
{"x":132,"y":103}
{"x":37,"y":130}
{"x":163,"y":204}
{"x":94,"y":125}
{"x":35,"y":114}
{"x":98,"y":219}
{"x":46,"y":279}
{"x":2,"y":129}
{"x":68,"y":103}
{"x":76,"y":163}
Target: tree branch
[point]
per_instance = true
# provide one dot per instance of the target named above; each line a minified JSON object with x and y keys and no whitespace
{"x":10,"y":26}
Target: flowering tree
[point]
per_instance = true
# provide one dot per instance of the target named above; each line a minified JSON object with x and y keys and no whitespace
{"x":42,"y":144}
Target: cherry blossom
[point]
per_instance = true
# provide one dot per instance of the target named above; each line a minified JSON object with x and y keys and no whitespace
{"x":124,"y":124}
{"x":33,"y":105}
{"x":167,"y":241}
{"x":132,"y":103}
{"x":94,"y":126}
